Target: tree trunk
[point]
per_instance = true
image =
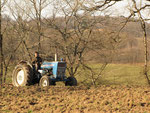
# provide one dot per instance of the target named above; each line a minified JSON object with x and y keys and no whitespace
{"x":143,"y":26}
{"x":1,"y":50}
{"x":146,"y":55}
{"x":1,"y":59}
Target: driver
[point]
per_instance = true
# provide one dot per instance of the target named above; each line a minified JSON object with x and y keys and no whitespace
{"x":37,"y":61}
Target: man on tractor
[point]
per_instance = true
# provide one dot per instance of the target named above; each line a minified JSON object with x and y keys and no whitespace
{"x":37,"y":61}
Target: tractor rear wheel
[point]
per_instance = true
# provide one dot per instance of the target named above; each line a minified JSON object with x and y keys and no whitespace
{"x":71,"y":81}
{"x":45,"y":81}
{"x":22,"y":75}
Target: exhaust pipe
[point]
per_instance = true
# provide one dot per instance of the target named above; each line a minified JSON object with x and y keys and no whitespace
{"x":55,"y":57}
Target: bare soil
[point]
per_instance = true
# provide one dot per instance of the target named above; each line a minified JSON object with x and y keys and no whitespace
{"x":33,"y":99}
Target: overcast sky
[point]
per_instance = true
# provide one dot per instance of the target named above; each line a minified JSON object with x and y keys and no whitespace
{"x":119,"y":9}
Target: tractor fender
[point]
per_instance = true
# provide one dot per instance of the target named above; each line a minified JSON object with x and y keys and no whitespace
{"x":26,"y":62}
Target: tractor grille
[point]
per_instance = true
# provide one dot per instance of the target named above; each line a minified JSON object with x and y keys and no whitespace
{"x":61,"y":73}
{"x":61,"y":65}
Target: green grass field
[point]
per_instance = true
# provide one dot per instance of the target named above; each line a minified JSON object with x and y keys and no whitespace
{"x":125,"y":74}
{"x":114,"y":74}
{"x":117,"y":74}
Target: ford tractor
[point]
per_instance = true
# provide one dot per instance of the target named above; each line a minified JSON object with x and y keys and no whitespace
{"x":24,"y":74}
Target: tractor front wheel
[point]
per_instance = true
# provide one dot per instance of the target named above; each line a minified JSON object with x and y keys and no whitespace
{"x":45,"y":81}
{"x":71,"y":81}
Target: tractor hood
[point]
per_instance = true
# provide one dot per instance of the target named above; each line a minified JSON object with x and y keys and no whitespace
{"x":49,"y":65}
{"x":57,"y":67}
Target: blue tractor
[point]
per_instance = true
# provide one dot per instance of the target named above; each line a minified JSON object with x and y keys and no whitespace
{"x":49,"y":74}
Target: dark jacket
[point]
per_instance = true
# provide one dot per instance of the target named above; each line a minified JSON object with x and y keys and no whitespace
{"x":38,"y":61}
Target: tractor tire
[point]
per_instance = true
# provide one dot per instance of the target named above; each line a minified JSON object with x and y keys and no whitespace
{"x":45,"y":81}
{"x":72,"y":81}
{"x":22,"y":75}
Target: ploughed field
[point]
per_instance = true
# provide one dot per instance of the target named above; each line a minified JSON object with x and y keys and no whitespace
{"x":56,"y":99}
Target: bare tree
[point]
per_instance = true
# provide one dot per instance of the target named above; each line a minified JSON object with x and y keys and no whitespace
{"x":74,"y":31}
{"x":75,"y":24}
{"x":2,"y":3}
{"x":15,"y":33}
{"x":21,"y":25}
{"x":138,"y":11}
{"x":38,"y":7}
